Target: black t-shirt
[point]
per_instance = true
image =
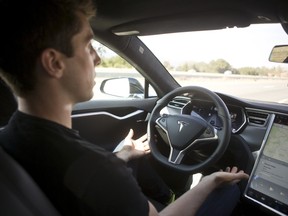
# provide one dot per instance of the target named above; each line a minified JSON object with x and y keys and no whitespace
{"x":79,"y":177}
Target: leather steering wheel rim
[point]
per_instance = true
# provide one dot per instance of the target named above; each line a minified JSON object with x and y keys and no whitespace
{"x":223,"y":135}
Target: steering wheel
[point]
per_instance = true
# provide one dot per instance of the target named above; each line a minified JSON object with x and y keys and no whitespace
{"x":187,"y":132}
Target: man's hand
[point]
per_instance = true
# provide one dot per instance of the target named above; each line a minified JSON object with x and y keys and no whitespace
{"x":229,"y":176}
{"x":133,"y":148}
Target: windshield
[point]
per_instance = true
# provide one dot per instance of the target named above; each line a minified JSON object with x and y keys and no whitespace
{"x":232,"y":61}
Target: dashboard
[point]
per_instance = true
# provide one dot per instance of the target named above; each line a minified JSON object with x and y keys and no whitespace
{"x":208,"y":111}
{"x":249,"y":120}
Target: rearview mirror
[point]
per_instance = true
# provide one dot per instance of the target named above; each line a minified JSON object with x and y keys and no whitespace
{"x":125,"y":87}
{"x":279,"y":54}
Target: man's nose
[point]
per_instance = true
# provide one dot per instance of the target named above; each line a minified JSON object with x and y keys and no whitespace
{"x":97,"y":60}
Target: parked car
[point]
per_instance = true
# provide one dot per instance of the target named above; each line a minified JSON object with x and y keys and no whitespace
{"x":204,"y":116}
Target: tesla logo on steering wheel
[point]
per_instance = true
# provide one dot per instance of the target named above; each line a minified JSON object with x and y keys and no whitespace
{"x":181,"y":123}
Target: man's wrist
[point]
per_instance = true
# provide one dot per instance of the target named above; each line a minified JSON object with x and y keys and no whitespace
{"x":123,"y":155}
{"x":211,"y":181}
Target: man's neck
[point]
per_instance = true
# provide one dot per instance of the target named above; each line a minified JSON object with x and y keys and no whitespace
{"x":45,"y":109}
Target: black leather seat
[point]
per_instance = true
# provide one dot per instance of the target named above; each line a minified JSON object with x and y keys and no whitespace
{"x":19,"y":194}
{"x":8,"y":103}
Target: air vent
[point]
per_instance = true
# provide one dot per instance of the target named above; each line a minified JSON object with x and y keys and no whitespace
{"x":257,"y":117}
{"x":179,"y":102}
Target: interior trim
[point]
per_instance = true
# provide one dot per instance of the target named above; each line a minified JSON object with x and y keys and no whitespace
{"x":108,"y":114}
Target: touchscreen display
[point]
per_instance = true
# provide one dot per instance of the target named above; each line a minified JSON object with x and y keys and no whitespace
{"x":268,"y":183}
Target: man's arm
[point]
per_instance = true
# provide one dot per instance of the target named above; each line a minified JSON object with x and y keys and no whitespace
{"x":189,"y":203}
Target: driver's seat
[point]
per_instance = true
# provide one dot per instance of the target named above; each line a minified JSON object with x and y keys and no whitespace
{"x":19,"y":194}
{"x":8,"y":103}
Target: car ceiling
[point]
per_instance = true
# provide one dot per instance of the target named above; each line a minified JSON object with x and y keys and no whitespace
{"x":144,"y":17}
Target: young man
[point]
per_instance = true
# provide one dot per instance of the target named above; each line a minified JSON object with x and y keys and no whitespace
{"x":47,"y":58}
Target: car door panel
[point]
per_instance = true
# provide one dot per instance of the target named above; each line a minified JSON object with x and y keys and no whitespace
{"x":106,"y":123}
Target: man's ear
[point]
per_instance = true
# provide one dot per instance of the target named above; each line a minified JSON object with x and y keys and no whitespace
{"x":52,"y":62}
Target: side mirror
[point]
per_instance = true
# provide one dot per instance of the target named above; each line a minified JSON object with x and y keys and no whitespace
{"x":125,"y":87}
{"x":279,"y":54}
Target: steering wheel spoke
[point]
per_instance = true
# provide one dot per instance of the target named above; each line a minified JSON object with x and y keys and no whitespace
{"x":176,"y":156}
{"x":162,"y":122}
{"x":209,"y":134}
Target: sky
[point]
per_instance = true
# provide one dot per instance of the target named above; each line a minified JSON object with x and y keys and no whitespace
{"x":240,"y":47}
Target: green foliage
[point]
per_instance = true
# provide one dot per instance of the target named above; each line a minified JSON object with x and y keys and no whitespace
{"x":115,"y":61}
{"x":219,"y":66}
{"x":248,"y":71}
{"x":185,"y":66}
{"x":263,"y":71}
{"x":215,"y":66}
{"x":201,"y":66}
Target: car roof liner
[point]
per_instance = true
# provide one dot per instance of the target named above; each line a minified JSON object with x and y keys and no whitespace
{"x":138,"y":17}
{"x":182,"y":23}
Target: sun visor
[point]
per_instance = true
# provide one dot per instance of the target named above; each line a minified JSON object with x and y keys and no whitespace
{"x":183,"y":23}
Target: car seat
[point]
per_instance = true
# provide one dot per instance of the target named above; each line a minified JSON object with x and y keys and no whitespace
{"x":8,"y":103}
{"x":19,"y":194}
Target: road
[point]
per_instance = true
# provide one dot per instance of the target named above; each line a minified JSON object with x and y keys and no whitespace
{"x":263,"y":89}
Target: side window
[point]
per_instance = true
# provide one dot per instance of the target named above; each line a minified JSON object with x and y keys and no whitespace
{"x":116,"y":78}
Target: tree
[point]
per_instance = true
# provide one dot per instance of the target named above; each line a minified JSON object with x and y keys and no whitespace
{"x":248,"y":71}
{"x":220,"y":66}
{"x":201,"y":67}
